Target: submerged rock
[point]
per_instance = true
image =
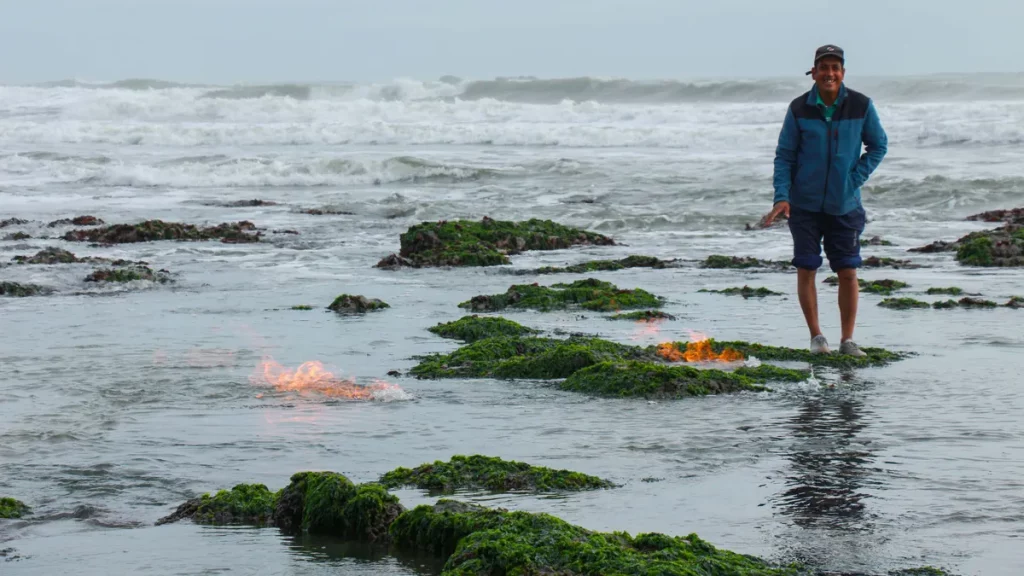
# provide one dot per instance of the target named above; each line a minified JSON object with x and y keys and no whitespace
{"x":485,"y":243}
{"x":48,"y":256}
{"x":495,"y":541}
{"x":327,"y":212}
{"x":875,"y":356}
{"x":22,"y":290}
{"x":875,"y":241}
{"x":659,"y":380}
{"x":314,"y":502}
{"x":355,"y":304}
{"x":18,"y":236}
{"x":589,"y":294}
{"x":473,"y":328}
{"x":154,"y":230}
{"x":903,"y":303}
{"x":302,"y":307}
{"x":1000,"y":247}
{"x":884,"y":287}
{"x":976,"y":303}
{"x":489,"y":473}
{"x":129,"y":274}
{"x":76,"y":221}
{"x":952,"y":291}
{"x":745,"y":291}
{"x":12,"y":222}
{"x":1013,"y":216}
{"x":643,"y":316}
{"x":718,"y":261}
{"x":12,"y":509}
{"x":876,"y":262}
{"x":253,"y":203}
{"x":606,"y":265}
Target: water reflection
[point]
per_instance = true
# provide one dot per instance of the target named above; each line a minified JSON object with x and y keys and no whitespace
{"x":830,"y":460}
{"x":382,"y":559}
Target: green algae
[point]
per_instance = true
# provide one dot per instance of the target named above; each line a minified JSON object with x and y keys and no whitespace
{"x":903,"y":303}
{"x":302,"y":307}
{"x":490,"y":473}
{"x":923,"y":571}
{"x":329,"y":503}
{"x":883,"y":287}
{"x":12,"y":509}
{"x":129,"y":274}
{"x":877,"y":262}
{"x":643,"y":316}
{"x":48,"y":256}
{"x":243,"y":504}
{"x":999,"y":247}
{"x":607,"y":265}
{"x":473,"y":328}
{"x":22,"y":290}
{"x":718,"y":261}
{"x":18,"y":236}
{"x":495,"y":541}
{"x":659,"y":380}
{"x":485,"y":243}
{"x":1015,"y":302}
{"x":589,"y":294}
{"x":355,"y":304}
{"x":945,"y":304}
{"x":976,"y":303}
{"x":951,"y":290}
{"x":875,"y":356}
{"x":154,"y":230}
{"x":516,"y":357}
{"x":745,"y":291}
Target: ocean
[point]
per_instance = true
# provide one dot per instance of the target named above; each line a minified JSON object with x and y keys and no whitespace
{"x":119,"y":402}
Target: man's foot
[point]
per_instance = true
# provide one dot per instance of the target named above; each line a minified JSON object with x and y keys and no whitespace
{"x":850,"y":348}
{"x":819,"y":345}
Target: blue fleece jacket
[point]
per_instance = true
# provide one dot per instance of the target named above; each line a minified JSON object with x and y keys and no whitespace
{"x":818,"y":163}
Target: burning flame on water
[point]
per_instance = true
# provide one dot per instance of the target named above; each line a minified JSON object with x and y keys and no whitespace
{"x":313,"y":378}
{"x":698,"y":349}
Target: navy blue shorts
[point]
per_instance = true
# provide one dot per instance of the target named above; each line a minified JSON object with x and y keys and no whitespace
{"x":841,"y":235}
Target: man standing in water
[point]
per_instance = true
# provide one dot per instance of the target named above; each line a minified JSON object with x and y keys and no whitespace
{"x":819,"y":170}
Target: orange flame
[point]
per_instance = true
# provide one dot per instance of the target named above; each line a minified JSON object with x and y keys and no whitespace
{"x":312,"y":377}
{"x":697,"y":350}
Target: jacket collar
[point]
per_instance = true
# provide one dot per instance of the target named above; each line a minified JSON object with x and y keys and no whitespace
{"x":812,"y":96}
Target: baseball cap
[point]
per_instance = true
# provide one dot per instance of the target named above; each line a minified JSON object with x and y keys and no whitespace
{"x":828,"y":50}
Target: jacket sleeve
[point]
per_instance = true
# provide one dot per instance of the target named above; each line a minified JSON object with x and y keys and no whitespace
{"x":785,"y":157}
{"x":875,"y":146}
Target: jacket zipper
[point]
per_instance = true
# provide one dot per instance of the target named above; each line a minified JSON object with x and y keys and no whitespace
{"x":828,"y":165}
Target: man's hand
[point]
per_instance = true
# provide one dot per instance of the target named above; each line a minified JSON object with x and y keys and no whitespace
{"x":779,"y":208}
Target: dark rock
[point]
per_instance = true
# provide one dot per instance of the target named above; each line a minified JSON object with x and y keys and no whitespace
{"x":22,"y":290}
{"x":76,"y":221}
{"x":154,"y":230}
{"x":129,"y":274}
{"x":50,"y":255}
{"x":12,"y":222}
{"x":394,"y":262}
{"x":354,"y":304}
{"x":1012,"y":216}
{"x":18,"y":236}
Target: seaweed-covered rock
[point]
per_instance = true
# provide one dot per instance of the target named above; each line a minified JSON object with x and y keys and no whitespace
{"x":12,"y":509}
{"x":876,"y":262}
{"x":643,"y":316}
{"x":328,"y":503}
{"x":129,"y":274}
{"x":153,"y":230}
{"x":658,"y":380}
{"x":718,"y":261}
{"x":76,"y":221}
{"x":945,"y":304}
{"x":589,"y":294}
{"x":354,"y":304}
{"x":1015,"y":302}
{"x":253,"y":203}
{"x":884,"y":287}
{"x":302,"y":307}
{"x":495,"y":541}
{"x":485,"y":243}
{"x":22,"y":290}
{"x":526,"y":358}
{"x":50,"y":255}
{"x":489,"y":473}
{"x":968,"y":302}
{"x":18,"y":236}
{"x":327,"y":212}
{"x":12,"y":222}
{"x":1003,"y":246}
{"x":745,"y":291}
{"x":1013,"y":216}
{"x":607,"y":265}
{"x":473,"y":328}
{"x":875,"y":241}
{"x":903,"y":303}
{"x":875,"y":356}
{"x":951,"y":290}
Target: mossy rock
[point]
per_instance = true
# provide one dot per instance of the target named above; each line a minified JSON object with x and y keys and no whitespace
{"x":489,"y":473}
{"x":473,"y":328}
{"x":745,"y":291}
{"x":495,"y":541}
{"x":22,"y":290}
{"x":607,"y":265}
{"x":875,"y":356}
{"x":519,"y":357}
{"x":12,"y":509}
{"x":1000,"y":247}
{"x":659,"y":380}
{"x":485,"y":243}
{"x":1015,"y":302}
{"x":951,"y":291}
{"x":1013,"y":216}
{"x":923,"y":571}
{"x":976,"y":303}
{"x":945,"y":304}
{"x":129,"y":274}
{"x":48,"y":256}
{"x":903,"y":303}
{"x":643,"y":316}
{"x":77,"y":221}
{"x":18,"y":236}
{"x":884,"y":287}
{"x":718,"y":261}
{"x":12,"y":222}
{"x":589,"y":294}
{"x":302,"y":307}
{"x":877,"y":262}
{"x":876,"y":241}
{"x":354,"y":304}
{"x":154,"y":230}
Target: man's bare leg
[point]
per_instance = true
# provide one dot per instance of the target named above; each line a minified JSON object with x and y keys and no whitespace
{"x":808,"y":293}
{"x":849,"y":293}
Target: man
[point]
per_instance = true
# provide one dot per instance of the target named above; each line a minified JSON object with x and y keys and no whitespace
{"x":819,"y":170}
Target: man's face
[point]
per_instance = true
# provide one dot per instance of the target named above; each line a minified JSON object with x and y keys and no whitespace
{"x":828,"y":74}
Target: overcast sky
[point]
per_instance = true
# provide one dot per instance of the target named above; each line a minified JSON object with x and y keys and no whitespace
{"x":229,"y":41}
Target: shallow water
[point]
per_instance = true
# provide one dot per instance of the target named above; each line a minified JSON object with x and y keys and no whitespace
{"x":116,"y":404}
